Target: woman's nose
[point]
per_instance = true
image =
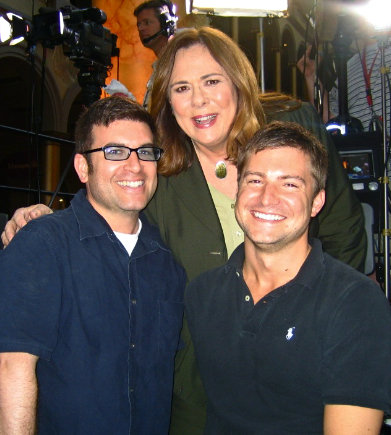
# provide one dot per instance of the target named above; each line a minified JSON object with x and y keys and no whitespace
{"x":199,"y":97}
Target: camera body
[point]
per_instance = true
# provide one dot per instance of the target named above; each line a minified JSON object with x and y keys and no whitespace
{"x":80,"y":31}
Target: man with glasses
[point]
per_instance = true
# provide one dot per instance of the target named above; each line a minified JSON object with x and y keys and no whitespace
{"x":90,"y":299}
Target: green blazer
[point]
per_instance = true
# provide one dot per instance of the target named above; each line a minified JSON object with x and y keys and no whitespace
{"x":183,"y":210}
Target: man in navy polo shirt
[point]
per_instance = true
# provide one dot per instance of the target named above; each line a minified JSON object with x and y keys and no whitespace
{"x":288,"y":340}
{"x":91,"y":300}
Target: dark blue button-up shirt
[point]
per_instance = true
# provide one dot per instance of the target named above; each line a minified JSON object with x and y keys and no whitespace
{"x":104,"y":326}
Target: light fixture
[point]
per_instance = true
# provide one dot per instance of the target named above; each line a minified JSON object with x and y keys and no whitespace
{"x":237,"y":8}
{"x":377,"y":13}
{"x":13,"y":28}
{"x":5,"y":29}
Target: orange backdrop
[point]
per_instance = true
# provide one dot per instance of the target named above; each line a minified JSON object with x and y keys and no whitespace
{"x":135,"y":60}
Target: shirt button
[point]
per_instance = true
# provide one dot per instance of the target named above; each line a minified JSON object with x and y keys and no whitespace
{"x":134,"y":301}
{"x":238,"y":233}
{"x":132,"y":345}
{"x":247,"y":298}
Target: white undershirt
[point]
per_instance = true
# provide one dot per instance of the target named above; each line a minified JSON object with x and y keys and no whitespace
{"x":129,"y":240}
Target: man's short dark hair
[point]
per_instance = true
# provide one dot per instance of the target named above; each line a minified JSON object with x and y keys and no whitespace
{"x":164,"y":12}
{"x":279,"y":134}
{"x":104,"y":112}
{"x":151,"y":4}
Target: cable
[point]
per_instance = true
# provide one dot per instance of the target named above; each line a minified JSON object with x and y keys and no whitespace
{"x":39,"y":123}
{"x":32,"y":119}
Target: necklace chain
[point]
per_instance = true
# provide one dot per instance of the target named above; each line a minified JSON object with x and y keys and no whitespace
{"x":220,"y":167}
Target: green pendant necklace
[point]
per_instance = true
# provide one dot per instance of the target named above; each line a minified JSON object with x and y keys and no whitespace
{"x":221,"y":169}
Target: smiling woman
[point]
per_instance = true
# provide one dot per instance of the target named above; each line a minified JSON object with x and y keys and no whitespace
{"x":203,"y":99}
{"x":204,"y":103}
{"x":195,"y":54}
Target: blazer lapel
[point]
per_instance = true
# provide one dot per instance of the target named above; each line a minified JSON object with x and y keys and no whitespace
{"x":192,"y":189}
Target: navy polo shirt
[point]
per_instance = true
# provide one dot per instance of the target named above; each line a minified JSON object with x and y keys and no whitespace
{"x":270,"y":368}
{"x":104,"y":325}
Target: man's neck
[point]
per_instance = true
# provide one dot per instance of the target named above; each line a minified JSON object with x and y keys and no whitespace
{"x":158,"y":45}
{"x":122,"y":222}
{"x":266,"y":270}
{"x":125,"y":226}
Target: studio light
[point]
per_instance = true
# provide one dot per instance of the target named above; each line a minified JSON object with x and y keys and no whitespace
{"x":13,"y":28}
{"x":88,"y":44}
{"x":377,"y":13}
{"x":235,"y":8}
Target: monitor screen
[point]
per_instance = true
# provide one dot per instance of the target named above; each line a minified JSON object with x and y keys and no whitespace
{"x":358,"y":164}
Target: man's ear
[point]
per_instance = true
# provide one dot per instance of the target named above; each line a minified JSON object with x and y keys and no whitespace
{"x":318,"y":203}
{"x":81,"y":167}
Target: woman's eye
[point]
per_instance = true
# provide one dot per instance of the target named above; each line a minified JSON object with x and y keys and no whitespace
{"x":213,"y":81}
{"x":180,"y":89}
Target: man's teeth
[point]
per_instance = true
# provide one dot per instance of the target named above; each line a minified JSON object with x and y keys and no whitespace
{"x":131,"y":183}
{"x":205,"y":119}
{"x":268,"y":217}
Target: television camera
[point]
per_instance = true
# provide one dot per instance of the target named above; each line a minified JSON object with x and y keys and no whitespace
{"x":88,"y":44}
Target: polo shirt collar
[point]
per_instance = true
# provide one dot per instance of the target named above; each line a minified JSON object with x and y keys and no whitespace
{"x":308,"y":274}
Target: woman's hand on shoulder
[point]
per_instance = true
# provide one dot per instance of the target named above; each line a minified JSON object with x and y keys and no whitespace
{"x":20,"y":219}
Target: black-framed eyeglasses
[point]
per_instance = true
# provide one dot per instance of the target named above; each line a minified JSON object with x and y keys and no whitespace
{"x":121,"y":152}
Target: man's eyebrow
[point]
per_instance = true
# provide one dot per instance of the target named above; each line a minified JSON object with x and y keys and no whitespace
{"x":258,"y":174}
{"x":294,"y":177}
{"x":114,"y":144}
{"x":281,"y":177}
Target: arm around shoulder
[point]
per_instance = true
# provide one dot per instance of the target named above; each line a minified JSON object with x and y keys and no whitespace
{"x":20,"y":218}
{"x":18,"y":393}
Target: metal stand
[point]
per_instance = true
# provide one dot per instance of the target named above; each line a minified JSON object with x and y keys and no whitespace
{"x":261,"y":58}
{"x":345,"y":123}
{"x":348,"y":125}
{"x":382,"y":43}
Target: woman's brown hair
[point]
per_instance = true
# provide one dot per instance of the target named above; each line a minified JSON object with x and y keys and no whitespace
{"x":249,"y":117}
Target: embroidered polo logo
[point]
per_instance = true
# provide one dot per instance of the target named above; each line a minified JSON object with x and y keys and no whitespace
{"x":291,"y":333}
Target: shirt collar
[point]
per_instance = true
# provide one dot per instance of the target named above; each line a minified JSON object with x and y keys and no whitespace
{"x":308,"y":274}
{"x":92,"y":224}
